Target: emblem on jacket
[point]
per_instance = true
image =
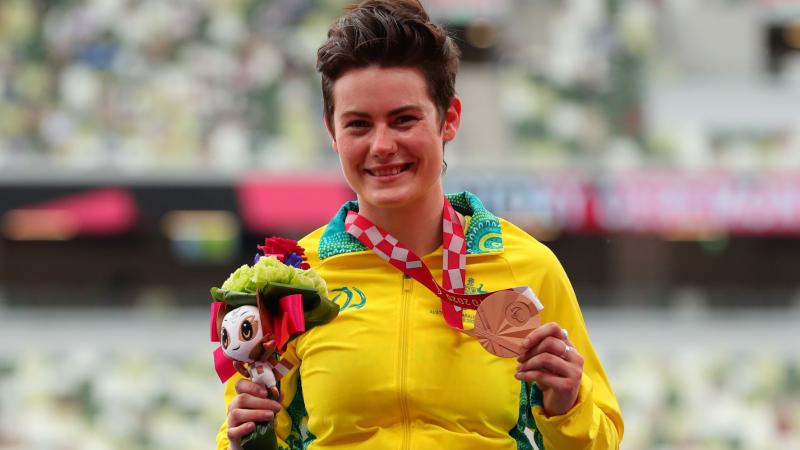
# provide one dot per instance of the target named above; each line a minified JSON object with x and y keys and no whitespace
{"x":470,"y":287}
{"x":349,"y":296}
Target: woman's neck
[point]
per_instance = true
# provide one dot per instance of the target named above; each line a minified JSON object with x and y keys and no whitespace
{"x":418,"y":227}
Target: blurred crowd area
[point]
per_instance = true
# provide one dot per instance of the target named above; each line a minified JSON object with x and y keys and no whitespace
{"x":142,"y":85}
{"x":158,"y":391}
{"x":222,"y":86}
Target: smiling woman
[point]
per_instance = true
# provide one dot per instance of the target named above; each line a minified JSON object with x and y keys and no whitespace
{"x":392,"y":371}
{"x":390,"y":140}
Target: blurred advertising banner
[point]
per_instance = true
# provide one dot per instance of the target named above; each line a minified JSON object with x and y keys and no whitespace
{"x":287,"y":203}
{"x":547,"y":203}
{"x":102,"y":212}
{"x":676,"y":204}
{"x":671,"y":204}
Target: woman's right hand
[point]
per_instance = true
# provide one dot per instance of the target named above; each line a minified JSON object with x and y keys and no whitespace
{"x":250,"y":405}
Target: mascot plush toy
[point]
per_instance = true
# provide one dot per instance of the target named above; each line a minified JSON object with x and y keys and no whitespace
{"x":242,"y":339}
{"x":257,"y":311}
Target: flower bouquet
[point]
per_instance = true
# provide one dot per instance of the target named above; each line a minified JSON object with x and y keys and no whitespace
{"x":257,"y":311}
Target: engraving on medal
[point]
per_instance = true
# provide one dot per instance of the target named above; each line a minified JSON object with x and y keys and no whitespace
{"x":518,"y":313}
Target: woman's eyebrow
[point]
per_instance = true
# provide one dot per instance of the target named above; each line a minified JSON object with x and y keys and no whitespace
{"x":354,"y":113}
{"x":403,"y":109}
{"x":393,"y":112}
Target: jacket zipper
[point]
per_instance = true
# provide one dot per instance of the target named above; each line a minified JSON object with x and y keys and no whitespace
{"x":403,"y":363}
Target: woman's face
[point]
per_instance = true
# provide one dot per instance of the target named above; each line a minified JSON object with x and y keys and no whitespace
{"x":389,"y":137}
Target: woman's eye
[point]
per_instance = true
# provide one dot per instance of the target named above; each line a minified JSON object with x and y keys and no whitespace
{"x":406,"y":119}
{"x":357,"y":124}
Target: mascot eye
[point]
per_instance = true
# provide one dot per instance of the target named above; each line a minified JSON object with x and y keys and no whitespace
{"x":247,"y":330}
{"x":225,"y":338}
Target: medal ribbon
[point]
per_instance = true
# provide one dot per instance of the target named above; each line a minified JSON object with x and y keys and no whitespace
{"x":454,"y":262}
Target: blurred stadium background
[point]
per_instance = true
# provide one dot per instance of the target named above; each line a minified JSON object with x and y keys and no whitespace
{"x":146,"y":146}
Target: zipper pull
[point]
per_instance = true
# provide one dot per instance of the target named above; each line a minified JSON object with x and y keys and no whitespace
{"x":406,"y":282}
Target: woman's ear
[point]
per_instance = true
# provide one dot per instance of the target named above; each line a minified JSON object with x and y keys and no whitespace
{"x":452,"y":119}
{"x":331,"y":134}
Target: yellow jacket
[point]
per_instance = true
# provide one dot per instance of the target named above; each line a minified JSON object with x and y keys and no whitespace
{"x":388,"y":373}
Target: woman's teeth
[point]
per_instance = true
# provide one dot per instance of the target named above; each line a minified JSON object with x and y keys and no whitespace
{"x":387,"y":172}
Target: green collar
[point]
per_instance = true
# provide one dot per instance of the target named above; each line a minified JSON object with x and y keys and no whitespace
{"x":483,"y":231}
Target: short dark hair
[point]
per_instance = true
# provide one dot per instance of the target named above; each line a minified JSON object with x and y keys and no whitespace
{"x":389,"y":33}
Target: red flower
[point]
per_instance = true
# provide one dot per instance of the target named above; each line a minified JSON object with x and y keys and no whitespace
{"x":283,"y":248}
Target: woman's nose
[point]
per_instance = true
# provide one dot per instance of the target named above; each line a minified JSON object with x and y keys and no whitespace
{"x":383,"y":142}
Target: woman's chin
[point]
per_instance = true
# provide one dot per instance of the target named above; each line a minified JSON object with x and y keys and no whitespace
{"x":388,"y":199}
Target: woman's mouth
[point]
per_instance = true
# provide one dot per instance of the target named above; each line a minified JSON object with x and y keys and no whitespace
{"x":388,"y":171}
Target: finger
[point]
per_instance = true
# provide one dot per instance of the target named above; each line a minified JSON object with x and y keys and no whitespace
{"x":565,"y":333}
{"x":570,"y":352}
{"x":566,"y":337}
{"x":547,"y":362}
{"x":238,"y":432}
{"x":548,"y":381}
{"x":555,"y":367}
{"x":562,"y":349}
{"x":544,"y":380}
{"x":241,"y":416}
{"x":572,"y":355}
{"x":540,"y":333}
{"x":550,"y":344}
{"x":537,"y":336}
{"x":250,"y":402}
{"x":245,"y":386}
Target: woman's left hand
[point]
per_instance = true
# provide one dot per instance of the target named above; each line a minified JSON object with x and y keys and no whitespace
{"x":550,"y":360}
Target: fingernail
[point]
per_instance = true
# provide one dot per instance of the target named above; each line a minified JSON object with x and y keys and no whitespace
{"x":565,"y":333}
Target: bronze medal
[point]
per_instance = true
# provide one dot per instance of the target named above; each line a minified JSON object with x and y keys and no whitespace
{"x":503,"y":320}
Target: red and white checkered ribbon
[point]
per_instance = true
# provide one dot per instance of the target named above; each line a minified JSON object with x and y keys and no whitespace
{"x":454,"y":261}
